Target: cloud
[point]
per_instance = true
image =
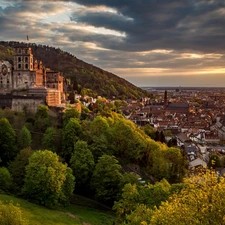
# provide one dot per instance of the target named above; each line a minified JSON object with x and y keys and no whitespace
{"x":144,"y":38}
{"x":165,"y":24}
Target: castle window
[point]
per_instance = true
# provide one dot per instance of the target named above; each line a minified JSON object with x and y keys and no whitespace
{"x":7,"y":81}
{"x":26,"y":59}
{"x":19,"y":66}
{"x":26,"y":66}
{"x":19,"y":59}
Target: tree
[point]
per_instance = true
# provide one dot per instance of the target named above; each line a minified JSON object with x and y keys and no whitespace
{"x":67,"y":187}
{"x":24,"y":138}
{"x":150,"y":131}
{"x":141,"y":215}
{"x":5,"y":179}
{"x":164,"y":162}
{"x":106,"y":179}
{"x":71,"y":133}
{"x":99,"y":126}
{"x":177,"y":164}
{"x":99,"y":146}
{"x":125,"y":140}
{"x":11,"y":215}
{"x":157,"y":136}
{"x":49,"y":139}
{"x":82,"y":164}
{"x":8,"y":148}
{"x":134,"y":195}
{"x":45,"y":177}
{"x":199,"y":202}
{"x":119,"y":103}
{"x":70,"y":113}
{"x":162,"y":137}
{"x":42,"y":120}
{"x":214,"y":161}
{"x":17,"y":168}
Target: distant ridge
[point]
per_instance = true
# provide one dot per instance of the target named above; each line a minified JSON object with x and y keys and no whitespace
{"x":84,"y":77}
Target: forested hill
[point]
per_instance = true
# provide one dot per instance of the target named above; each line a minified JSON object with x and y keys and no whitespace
{"x":81,"y":74}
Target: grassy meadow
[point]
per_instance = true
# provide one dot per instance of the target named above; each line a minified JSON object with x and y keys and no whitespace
{"x":71,"y":215}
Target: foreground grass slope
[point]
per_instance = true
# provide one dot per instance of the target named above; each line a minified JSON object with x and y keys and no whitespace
{"x":71,"y":215}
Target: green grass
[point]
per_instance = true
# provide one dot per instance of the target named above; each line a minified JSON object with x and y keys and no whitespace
{"x":71,"y":215}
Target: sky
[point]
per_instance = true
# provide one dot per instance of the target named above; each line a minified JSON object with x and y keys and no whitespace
{"x":147,"y":42}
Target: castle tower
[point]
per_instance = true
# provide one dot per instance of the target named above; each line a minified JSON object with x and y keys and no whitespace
{"x":24,"y":75}
{"x":23,"y":59}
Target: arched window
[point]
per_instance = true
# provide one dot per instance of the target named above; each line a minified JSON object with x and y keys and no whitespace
{"x":19,"y":59}
{"x":26,"y":66}
{"x":26,"y":59}
{"x":19,"y":66}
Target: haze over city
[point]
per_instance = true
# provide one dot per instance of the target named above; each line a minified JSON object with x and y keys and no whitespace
{"x":147,"y":42}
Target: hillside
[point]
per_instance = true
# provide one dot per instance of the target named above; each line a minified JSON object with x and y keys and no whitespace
{"x":70,"y":215}
{"x":82,"y":75}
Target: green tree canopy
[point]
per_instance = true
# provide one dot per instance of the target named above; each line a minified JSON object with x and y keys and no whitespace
{"x":42,"y":120}
{"x":24,"y":138}
{"x":199,"y":202}
{"x":70,"y":136}
{"x":99,"y":126}
{"x":17,"y":168}
{"x":150,"y":131}
{"x":106,"y":179}
{"x":45,"y":177}
{"x":214,"y":161}
{"x":70,"y":113}
{"x":125,"y":139}
{"x":11,"y":215}
{"x":8,"y":149}
{"x":82,"y":164}
{"x":49,"y":139}
{"x":5,"y":179}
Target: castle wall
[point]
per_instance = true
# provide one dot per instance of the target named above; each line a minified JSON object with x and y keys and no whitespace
{"x":30,"y":103}
{"x":5,"y":101}
{"x":24,"y":79}
{"x":6,"y":81}
{"x":53,"y":97}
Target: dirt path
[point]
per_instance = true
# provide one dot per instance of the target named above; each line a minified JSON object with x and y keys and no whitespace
{"x":76,"y":217}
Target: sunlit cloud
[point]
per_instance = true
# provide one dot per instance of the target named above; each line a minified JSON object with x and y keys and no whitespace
{"x":200,"y":56}
{"x":160,"y":43}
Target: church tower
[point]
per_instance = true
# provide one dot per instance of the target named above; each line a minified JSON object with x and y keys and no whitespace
{"x":23,"y":74}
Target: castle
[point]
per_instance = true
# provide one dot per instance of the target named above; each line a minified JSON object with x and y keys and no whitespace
{"x":27,"y":83}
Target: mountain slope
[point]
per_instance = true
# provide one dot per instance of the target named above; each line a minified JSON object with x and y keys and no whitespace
{"x":81,"y":74}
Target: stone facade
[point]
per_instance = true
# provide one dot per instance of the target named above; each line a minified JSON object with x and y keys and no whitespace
{"x":27,"y":83}
{"x":5,"y":77}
